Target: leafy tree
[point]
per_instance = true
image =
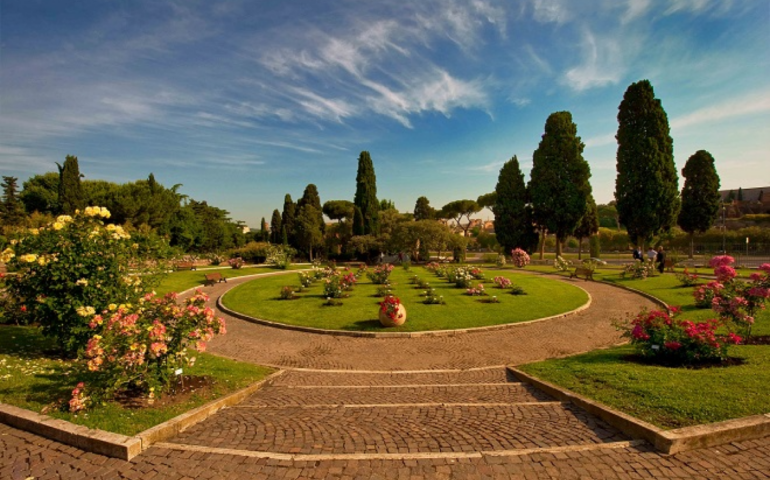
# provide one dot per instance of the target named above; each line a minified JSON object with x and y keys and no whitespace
{"x":421,"y":237}
{"x":608,"y":215}
{"x":386,"y":204}
{"x":423,"y":210}
{"x":287,"y":219}
{"x":559,"y":186}
{"x":366,"y":193}
{"x":488,"y":200}
{"x":700,"y":195}
{"x":70,"y":191}
{"x":458,"y":209}
{"x":275,"y":227}
{"x":646,"y":187}
{"x":40,"y":193}
{"x":12,"y":208}
{"x":589,"y":224}
{"x":509,"y":202}
{"x":341,"y":210}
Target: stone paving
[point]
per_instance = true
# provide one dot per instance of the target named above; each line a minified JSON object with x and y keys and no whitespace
{"x":446,"y":409}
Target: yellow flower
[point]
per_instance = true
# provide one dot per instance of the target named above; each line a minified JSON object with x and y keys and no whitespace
{"x":34,"y":231}
{"x":105,"y":213}
{"x":85,"y":311}
{"x":58,"y":225}
{"x":83,"y":282}
{"x":29,"y":258}
{"x":42,"y":261}
{"x":7,"y":255}
{"x":112,"y":307}
{"x":64,"y":219}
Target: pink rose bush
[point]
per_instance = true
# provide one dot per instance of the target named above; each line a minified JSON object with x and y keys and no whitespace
{"x":141,"y":346}
{"x":735,"y":301}
{"x":661,"y":336}
{"x":519,"y":258}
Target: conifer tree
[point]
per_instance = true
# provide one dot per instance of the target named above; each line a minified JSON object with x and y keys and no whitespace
{"x":510,"y":201}
{"x":423,"y":210}
{"x":588,"y":225}
{"x":276,"y":227}
{"x":366,"y":193}
{"x":287,"y":219}
{"x":71,"y":196}
{"x":309,"y":224}
{"x":558,"y":186}
{"x":700,"y":195}
{"x":12,"y":208}
{"x":358,"y":222}
{"x":646,"y":187}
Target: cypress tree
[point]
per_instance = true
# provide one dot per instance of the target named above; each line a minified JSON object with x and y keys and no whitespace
{"x":71,"y":195}
{"x":740,"y":194}
{"x":275,"y":227}
{"x":12,"y":208}
{"x":358,"y":222}
{"x":700,"y":195}
{"x":287,"y":219}
{"x":510,"y":217}
{"x":366,"y":193}
{"x":263,"y":235}
{"x":558,"y":186}
{"x":646,"y":187}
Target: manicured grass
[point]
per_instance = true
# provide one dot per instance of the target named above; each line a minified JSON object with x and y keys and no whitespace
{"x":32,"y":378}
{"x":545,"y":297}
{"x":665,"y":396}
{"x":186,"y":279}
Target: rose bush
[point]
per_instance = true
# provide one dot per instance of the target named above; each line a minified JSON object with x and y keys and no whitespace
{"x":659,"y":335}
{"x":519,"y":258}
{"x":142,"y":346}
{"x":70,"y":268}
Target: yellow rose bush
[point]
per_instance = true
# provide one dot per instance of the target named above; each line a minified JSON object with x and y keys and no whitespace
{"x":65,"y":271}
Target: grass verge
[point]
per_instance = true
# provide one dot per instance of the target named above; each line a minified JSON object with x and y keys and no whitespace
{"x":544,"y":297}
{"x":186,"y":279}
{"x":31,"y":377}
{"x":665,"y":396}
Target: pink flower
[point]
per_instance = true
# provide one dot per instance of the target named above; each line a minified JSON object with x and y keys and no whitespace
{"x":724,"y":273}
{"x":673,"y":345}
{"x":765,"y":267}
{"x":721,"y":260}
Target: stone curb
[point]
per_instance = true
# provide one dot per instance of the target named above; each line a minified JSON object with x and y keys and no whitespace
{"x":432,"y":333}
{"x":113,"y":444}
{"x":665,"y":441}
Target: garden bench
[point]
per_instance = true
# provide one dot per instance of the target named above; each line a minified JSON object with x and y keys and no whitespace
{"x":185,"y":266}
{"x":582,"y":272}
{"x":212,"y":278}
{"x":669,"y":264}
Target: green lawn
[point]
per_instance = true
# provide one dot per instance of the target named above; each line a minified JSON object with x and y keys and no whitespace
{"x":665,"y":396}
{"x":186,"y":279}
{"x":544,"y":297}
{"x":32,"y":378}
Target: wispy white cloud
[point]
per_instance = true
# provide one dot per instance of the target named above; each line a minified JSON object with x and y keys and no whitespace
{"x":635,"y":9}
{"x":600,"y":140}
{"x":750,"y":104}
{"x":551,"y":11}
{"x":602,"y":64}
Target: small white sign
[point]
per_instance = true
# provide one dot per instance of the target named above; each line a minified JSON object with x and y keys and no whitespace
{"x":656,"y":347}
{"x":178,"y":371}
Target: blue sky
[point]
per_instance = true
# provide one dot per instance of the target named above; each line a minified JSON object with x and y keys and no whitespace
{"x":245,"y":101}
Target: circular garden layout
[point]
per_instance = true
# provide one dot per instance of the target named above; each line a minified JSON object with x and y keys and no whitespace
{"x":358,"y":309}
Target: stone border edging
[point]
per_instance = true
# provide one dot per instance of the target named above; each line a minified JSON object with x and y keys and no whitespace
{"x":665,"y":441}
{"x":114,"y":444}
{"x":430,"y":333}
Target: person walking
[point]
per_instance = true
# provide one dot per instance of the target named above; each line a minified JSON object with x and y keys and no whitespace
{"x":661,"y":259}
{"x":652,"y":255}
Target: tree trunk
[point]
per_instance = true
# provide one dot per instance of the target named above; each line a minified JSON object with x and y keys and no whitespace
{"x":580,"y":248}
{"x":558,"y":246}
{"x":542,"y":243}
{"x":692,"y":241}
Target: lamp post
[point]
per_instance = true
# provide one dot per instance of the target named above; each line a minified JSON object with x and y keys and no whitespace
{"x":724,"y":228}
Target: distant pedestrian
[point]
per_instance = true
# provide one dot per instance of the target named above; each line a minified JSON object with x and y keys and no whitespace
{"x":638,"y":254}
{"x":652,"y":255}
{"x":661,"y":259}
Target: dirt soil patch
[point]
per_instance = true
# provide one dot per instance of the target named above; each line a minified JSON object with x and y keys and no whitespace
{"x":180,"y":390}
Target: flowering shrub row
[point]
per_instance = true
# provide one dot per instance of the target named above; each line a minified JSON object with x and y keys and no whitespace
{"x":381,"y":274}
{"x":661,"y":336}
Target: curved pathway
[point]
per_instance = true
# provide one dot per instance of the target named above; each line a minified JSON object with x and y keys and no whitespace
{"x":558,"y":337}
{"x":400,"y":408}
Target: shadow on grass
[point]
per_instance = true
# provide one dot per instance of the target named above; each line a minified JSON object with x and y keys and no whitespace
{"x":364,"y":325}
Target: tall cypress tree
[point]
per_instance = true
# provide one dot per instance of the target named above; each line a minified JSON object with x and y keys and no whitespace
{"x":558,"y":186}
{"x":358,"y":222}
{"x":309,"y":224}
{"x":275,"y":227}
{"x":12,"y":208}
{"x":588,"y":225}
{"x":510,"y":217}
{"x":647,"y":186}
{"x":700,"y":195}
{"x":366,"y":193}
{"x":287,"y":219}
{"x":71,"y":195}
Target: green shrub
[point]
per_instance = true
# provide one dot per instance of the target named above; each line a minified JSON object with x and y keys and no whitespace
{"x":252,"y":252}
